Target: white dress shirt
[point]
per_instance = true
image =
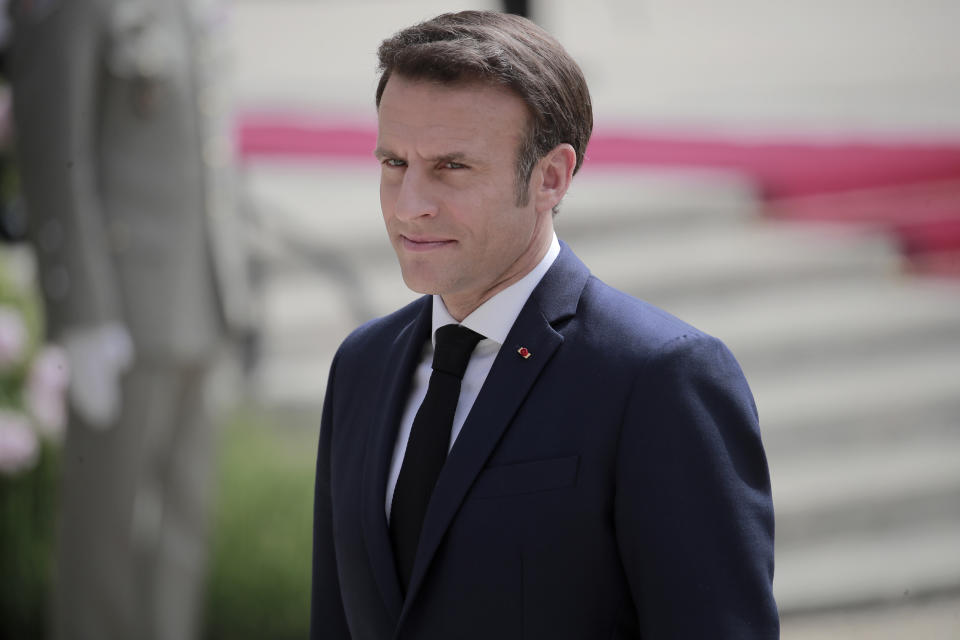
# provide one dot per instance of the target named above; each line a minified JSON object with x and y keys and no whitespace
{"x":493,"y":320}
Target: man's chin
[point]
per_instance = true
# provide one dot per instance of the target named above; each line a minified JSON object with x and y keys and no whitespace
{"x":419,"y":283}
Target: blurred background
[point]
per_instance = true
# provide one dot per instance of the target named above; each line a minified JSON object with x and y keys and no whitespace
{"x":785,"y":176}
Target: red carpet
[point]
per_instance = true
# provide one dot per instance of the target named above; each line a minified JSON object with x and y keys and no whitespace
{"x":913,"y":188}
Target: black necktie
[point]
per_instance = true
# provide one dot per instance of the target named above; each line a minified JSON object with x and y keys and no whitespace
{"x":429,"y":442}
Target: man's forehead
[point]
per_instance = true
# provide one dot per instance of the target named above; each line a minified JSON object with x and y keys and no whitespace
{"x":450,"y":132}
{"x":456,"y":118}
{"x":468,"y":92}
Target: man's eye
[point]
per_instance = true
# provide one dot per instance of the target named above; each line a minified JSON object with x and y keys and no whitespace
{"x":454,"y":165}
{"x":393,"y":162}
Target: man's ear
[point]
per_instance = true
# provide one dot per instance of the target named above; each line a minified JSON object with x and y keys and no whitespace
{"x":555,"y":172}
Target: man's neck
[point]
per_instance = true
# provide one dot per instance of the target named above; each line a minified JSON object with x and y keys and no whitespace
{"x":460,"y":308}
{"x":494,"y":317}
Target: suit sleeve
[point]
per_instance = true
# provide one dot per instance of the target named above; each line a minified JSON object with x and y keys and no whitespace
{"x":56,"y":71}
{"x":327,"y":618}
{"x":694,"y":515}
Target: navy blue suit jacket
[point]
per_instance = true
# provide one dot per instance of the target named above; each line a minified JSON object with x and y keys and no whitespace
{"x":612,"y":485}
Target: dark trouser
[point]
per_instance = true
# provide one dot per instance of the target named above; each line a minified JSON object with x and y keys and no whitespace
{"x":134,"y":516}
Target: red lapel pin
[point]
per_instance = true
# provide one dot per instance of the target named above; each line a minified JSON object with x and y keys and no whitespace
{"x":524,"y":352}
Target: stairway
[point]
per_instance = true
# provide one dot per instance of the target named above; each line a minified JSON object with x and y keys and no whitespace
{"x":855,"y":367}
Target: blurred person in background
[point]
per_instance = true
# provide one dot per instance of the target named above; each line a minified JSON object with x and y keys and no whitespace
{"x":124,"y":148}
{"x":605,"y":476}
{"x":10,"y":216}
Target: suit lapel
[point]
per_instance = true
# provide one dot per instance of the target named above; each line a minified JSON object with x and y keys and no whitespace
{"x":402,"y":359}
{"x":508,"y":383}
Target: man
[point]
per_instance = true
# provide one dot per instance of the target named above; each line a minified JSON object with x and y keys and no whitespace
{"x":605,"y":475}
{"x":126,"y":179}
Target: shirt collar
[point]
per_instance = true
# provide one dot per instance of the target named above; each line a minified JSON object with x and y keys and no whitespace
{"x":494,"y":318}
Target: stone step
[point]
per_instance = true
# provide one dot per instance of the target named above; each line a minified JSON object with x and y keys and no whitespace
{"x":655,"y":201}
{"x":322,"y":203}
{"x":294,"y":381}
{"x":305,"y":307}
{"x":305,"y":304}
{"x":868,"y":486}
{"x":864,"y":567}
{"x":713,"y":264}
{"x":886,"y":388}
{"x":818,"y":322}
{"x":930,"y":618}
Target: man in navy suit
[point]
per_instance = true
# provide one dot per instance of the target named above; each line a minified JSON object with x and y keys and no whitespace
{"x":603,"y":475}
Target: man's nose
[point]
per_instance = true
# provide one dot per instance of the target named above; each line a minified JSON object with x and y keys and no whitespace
{"x":415,"y":198}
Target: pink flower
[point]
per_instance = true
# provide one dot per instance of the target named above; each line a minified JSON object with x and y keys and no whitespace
{"x":13,"y":337}
{"x":19,"y":446}
{"x":45,"y":393}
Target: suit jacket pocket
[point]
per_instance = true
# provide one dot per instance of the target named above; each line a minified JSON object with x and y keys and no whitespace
{"x":526,"y":477}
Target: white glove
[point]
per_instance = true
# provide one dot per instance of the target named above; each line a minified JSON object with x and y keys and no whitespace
{"x":98,"y":356}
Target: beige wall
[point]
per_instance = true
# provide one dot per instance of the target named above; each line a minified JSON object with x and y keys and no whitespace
{"x":816,"y":65}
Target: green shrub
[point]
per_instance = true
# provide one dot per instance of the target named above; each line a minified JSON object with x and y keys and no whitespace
{"x":27,"y":517}
{"x":259,"y":584}
{"x":28,"y":492}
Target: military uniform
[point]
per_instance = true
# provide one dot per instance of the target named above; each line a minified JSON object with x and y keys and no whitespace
{"x":124,"y":147}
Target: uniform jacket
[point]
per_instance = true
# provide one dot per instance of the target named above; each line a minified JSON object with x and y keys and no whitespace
{"x":612,"y":485}
{"x":121,"y":132}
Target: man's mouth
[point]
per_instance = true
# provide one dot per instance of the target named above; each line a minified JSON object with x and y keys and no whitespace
{"x":424,"y":243}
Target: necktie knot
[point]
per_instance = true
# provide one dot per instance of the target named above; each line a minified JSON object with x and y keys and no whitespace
{"x":454,"y":344}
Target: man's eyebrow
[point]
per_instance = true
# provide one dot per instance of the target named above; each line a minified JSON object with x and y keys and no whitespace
{"x":453,"y":156}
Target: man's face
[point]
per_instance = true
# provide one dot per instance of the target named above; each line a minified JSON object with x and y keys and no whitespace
{"x":447,"y":190}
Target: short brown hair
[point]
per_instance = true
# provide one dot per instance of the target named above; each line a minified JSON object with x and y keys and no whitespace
{"x":506,"y":50}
